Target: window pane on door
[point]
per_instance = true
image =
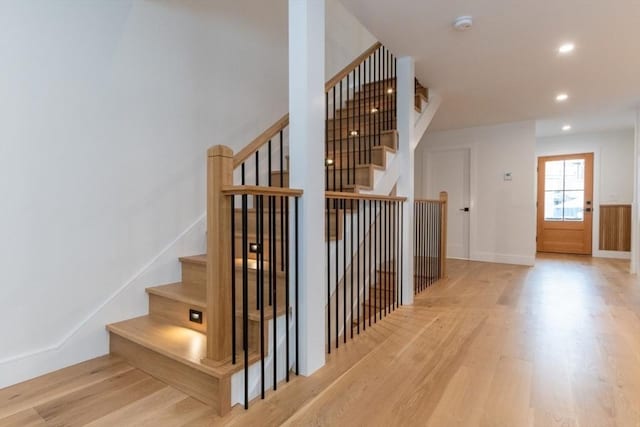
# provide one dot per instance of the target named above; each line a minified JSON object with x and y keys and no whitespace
{"x":554,"y":175}
{"x":553,"y":205}
{"x":574,"y":175}
{"x":574,"y":205}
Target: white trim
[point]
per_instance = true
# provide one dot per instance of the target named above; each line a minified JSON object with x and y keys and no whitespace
{"x":95,"y":311}
{"x":496,"y":258}
{"x":612,"y":254}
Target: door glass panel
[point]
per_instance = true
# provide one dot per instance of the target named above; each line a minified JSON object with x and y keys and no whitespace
{"x":553,"y":205}
{"x":574,"y":175}
{"x":564,"y":190}
{"x":553,"y":175}
{"x":574,"y":205}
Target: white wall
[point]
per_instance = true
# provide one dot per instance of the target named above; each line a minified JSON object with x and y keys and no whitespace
{"x":345,"y":38}
{"x":107,"y":110}
{"x":502,"y":217}
{"x":613,"y":167}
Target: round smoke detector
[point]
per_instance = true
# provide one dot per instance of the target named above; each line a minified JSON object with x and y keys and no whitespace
{"x":463,"y":23}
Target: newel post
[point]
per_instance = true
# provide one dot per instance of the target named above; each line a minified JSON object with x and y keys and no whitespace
{"x":219,"y":257}
{"x":444,"y":198}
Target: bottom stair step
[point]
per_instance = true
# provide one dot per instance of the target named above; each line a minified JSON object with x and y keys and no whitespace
{"x":174,"y":354}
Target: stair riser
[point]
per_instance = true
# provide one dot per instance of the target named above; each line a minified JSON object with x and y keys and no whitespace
{"x":194,"y":274}
{"x":377,"y":157}
{"x":252,"y":224}
{"x":176,"y":312}
{"x":370,"y":101}
{"x":384,"y":83}
{"x":345,"y":132}
{"x":360,"y":176}
{"x":353,"y":112}
{"x":387,"y":139}
{"x":215,"y":392}
{"x":367,"y":122}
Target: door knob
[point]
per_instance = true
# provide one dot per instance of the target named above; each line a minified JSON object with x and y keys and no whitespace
{"x":464,"y":210}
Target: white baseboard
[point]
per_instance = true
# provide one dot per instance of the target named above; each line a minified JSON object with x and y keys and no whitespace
{"x":612,"y":254}
{"x":528,"y":260}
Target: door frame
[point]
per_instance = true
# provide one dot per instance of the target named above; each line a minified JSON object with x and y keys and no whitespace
{"x":473,"y":190}
{"x":595,"y":199}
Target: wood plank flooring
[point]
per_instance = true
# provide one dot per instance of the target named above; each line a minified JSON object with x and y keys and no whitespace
{"x":494,"y":345}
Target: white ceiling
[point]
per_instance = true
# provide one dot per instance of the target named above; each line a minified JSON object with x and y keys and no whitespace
{"x":506,"y":68}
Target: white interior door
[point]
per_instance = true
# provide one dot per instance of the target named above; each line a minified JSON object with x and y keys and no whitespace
{"x":449,"y":171}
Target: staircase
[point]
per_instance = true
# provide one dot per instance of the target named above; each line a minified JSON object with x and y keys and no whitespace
{"x":246,"y":270}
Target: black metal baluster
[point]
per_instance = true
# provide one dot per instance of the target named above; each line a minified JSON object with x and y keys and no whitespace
{"x":281,"y":204}
{"x":297,"y":283}
{"x":273,"y":265}
{"x":375,"y":261}
{"x":326,"y":141}
{"x":401,"y":250}
{"x":328,"y":226}
{"x":341,"y":174}
{"x":379,"y":88}
{"x":344,"y":268}
{"x":359,"y":274}
{"x":348,"y":141}
{"x":392,"y":284}
{"x":245,"y":301}
{"x":386,"y":257}
{"x":257,"y":167}
{"x":369,"y":225}
{"x":351,"y":259}
{"x":361,"y":106}
{"x":372,"y":114}
{"x":338,"y":277}
{"x":287,"y":290}
{"x":233,"y":280}
{"x":269,"y":161}
{"x":335,"y":160}
{"x":242,"y":174}
{"x":260,"y":282}
{"x":395,"y":98}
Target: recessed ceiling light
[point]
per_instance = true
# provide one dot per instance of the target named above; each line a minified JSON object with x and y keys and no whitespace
{"x":566,"y":128}
{"x":562,"y":97}
{"x":566,"y":48}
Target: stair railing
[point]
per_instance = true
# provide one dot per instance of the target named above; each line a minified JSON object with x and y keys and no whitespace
{"x":360,"y":105}
{"x":430,"y":241}
{"x":250,"y":294}
{"x":364,"y":237}
{"x":264,"y":160}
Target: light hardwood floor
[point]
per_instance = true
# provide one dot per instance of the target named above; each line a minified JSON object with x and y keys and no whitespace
{"x":494,"y":345}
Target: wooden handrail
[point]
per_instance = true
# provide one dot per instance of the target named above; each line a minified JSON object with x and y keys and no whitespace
{"x":262,"y":139}
{"x":239,"y":190}
{"x":357,"y":196}
{"x":427,"y":200}
{"x":349,"y":68}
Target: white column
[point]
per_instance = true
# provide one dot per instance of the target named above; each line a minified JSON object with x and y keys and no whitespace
{"x":406,"y":124}
{"x":306,"y":151}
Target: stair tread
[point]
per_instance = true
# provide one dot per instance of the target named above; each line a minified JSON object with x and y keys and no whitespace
{"x":175,"y":342}
{"x":189,"y":294}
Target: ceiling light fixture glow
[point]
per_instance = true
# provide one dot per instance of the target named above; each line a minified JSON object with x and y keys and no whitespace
{"x":561,"y":97}
{"x":566,"y":128}
{"x":566,"y":48}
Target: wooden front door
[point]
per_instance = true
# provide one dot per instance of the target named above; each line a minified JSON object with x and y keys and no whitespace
{"x":565,"y":204}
